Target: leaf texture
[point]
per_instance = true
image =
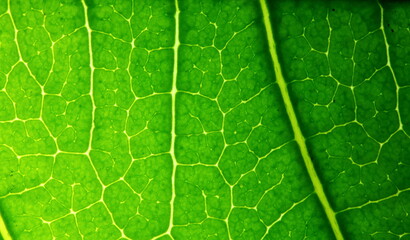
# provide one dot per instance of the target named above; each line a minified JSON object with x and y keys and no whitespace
{"x":204,"y":119}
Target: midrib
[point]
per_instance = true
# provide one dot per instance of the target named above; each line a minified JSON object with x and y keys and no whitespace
{"x":300,"y":140}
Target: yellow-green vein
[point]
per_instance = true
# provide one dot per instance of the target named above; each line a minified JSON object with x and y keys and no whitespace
{"x":295,"y":125}
{"x":173,"y":95}
{"x":3,"y":230}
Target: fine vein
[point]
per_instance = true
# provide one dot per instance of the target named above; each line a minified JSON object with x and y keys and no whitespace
{"x":300,"y":140}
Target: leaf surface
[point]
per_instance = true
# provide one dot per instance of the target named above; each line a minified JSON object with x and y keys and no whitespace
{"x":204,"y":119}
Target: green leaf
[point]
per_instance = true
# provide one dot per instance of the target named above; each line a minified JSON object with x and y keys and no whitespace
{"x":204,"y":119}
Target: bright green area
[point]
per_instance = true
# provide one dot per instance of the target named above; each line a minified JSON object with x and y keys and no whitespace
{"x":240,"y":174}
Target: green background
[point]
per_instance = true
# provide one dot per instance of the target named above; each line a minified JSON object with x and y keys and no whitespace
{"x":85,"y":145}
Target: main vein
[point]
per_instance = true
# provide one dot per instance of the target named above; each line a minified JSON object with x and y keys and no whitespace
{"x":300,"y":140}
{"x":173,"y":96}
{"x":3,"y":230}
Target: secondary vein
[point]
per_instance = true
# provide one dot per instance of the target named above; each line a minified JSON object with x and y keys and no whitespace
{"x":300,"y":140}
{"x":92,"y":68}
{"x":389,"y":63}
{"x":87,"y":153}
{"x":173,"y":96}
